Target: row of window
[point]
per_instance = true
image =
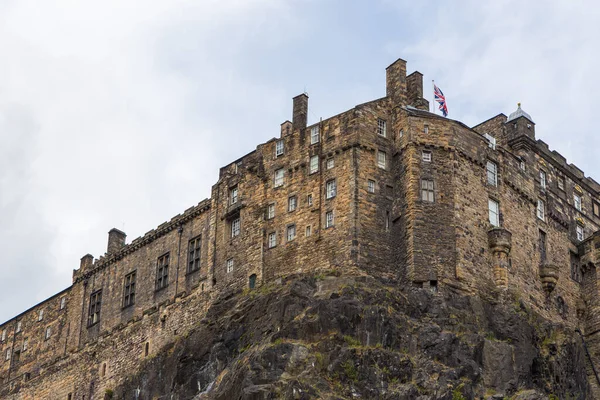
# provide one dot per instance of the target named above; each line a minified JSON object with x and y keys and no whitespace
{"x":291,"y":231}
{"x":25,"y":346}
{"x":62,"y":305}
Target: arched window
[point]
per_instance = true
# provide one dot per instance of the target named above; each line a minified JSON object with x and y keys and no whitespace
{"x":252,"y":281}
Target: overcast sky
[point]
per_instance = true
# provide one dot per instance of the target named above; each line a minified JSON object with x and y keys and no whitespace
{"x":119,"y":113}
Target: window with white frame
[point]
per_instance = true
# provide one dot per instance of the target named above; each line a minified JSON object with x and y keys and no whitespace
{"x":63,"y":302}
{"x":18,"y":326}
{"x":309,"y":200}
{"x":3,"y":335}
{"x":580,"y":232}
{"x":308,"y":231}
{"x":381,"y":127}
{"x":25,"y":344}
{"x":291,"y":233}
{"x":233,"y":195}
{"x":427,"y":190}
{"x":541,"y":209}
{"x":271,"y":211}
{"x":330,"y":163}
{"x":494,"y":212}
{"x":235,"y":227}
{"x":560,"y":182}
{"x":328,"y":219}
{"x":577,"y":201}
{"x":542,"y":179}
{"x":381,"y":159}
{"x":522,"y":164}
{"x":279,"y":148}
{"x":426,"y":155}
{"x":314,"y":134}
{"x":426,"y":129}
{"x":41,"y":315}
{"x":371,"y":186}
{"x":7,"y":355}
{"x":279,"y":177}
{"x":292,"y":203}
{"x":491,"y":141}
{"x":229,"y":265}
{"x":272,"y":242}
{"x":492,"y":173}
{"x":314,"y":165}
{"x":330,"y":189}
{"x":48,"y":333}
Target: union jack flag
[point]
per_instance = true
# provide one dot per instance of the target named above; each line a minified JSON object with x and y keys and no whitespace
{"x":441,"y":99}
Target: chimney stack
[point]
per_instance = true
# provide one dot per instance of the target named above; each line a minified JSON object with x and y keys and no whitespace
{"x":116,"y":240}
{"x":414,"y":86}
{"x":286,"y":129}
{"x":86,"y":262}
{"x":300,"y":113}
{"x":395,"y":77}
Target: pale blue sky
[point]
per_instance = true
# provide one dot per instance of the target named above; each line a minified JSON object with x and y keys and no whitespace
{"x":119,"y":114}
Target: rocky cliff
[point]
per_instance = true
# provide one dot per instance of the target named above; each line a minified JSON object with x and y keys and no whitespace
{"x":336,"y":337}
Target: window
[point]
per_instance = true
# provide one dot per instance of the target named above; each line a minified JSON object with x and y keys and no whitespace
{"x":542,"y":244}
{"x":48,"y":333}
{"x":40,"y":315}
{"x":4,"y":335}
{"x":314,"y":165}
{"x":25,"y":344}
{"x":279,"y":148}
{"x":541,"y":210}
{"x":427,"y":190}
{"x":235,"y":227}
{"x":426,"y":129}
{"x":271,"y":211}
{"x":7,"y":354}
{"x":381,"y":159}
{"x":579,"y":232}
{"x":330,"y":163}
{"x":596,"y":208}
{"x":194,"y":254}
{"x":272,"y":241}
{"x":328,"y":219}
{"x":491,"y":141}
{"x":94,"y":308}
{"x":252,"y":281}
{"x":229,"y":265}
{"x":494,"y":212}
{"x":314,"y":134}
{"x":401,"y":133}
{"x":577,"y":201}
{"x":308,"y":231}
{"x":330,"y":189}
{"x":309,"y":200}
{"x":63,"y":303}
{"x":233,"y":195}
{"x":381,"y":127}
{"x":575,"y":270}
{"x":542,"y":180}
{"x":129,"y":289}
{"x":371,"y":186}
{"x":18,"y":326}
{"x":162,"y":272}
{"x":279,"y":176}
{"x":522,"y":164}
{"x":492,"y":173}
{"x":426,"y":155}
{"x":292,"y":203}
{"x":291,"y":233}
{"x":17,"y":355}
{"x":560,"y":182}
{"x":387,"y":221}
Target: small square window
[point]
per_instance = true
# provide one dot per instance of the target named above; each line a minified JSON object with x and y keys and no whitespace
{"x":314,"y":165}
{"x":291,"y":233}
{"x":494,"y":212}
{"x":314,"y":134}
{"x":279,"y":148}
{"x":233,"y":195}
{"x":577,"y":201}
{"x":371,"y":186}
{"x":235,"y":227}
{"x":308,"y":231}
{"x":229,"y":265}
{"x":381,"y":127}
{"x":279,"y":177}
{"x":426,"y":156}
{"x":330,"y":189}
{"x":328,"y":219}
{"x":492,"y":173}
{"x":272,"y":242}
{"x":292,"y":203}
{"x":330,"y":163}
{"x":309,"y":200}
{"x":271,"y":211}
{"x":381,"y":159}
{"x":541,"y":210}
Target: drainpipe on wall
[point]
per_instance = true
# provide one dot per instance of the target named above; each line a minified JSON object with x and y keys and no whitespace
{"x":180,"y":231}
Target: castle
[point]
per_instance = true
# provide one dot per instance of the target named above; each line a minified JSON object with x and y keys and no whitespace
{"x":386,"y":188}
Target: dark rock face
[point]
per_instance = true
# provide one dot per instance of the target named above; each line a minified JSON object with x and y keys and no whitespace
{"x":346,"y":338}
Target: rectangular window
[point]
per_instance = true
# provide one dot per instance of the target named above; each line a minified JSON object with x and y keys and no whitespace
{"x":542,"y":244}
{"x":328,"y":219}
{"x":292,"y":203}
{"x":309,"y":200}
{"x":560,"y":182}
{"x":314,"y":134}
{"x":330,"y":189}
{"x":94,"y":308}
{"x":25,"y":344}
{"x":279,"y":176}
{"x":426,"y":156}
{"x":40,"y":315}
{"x":381,"y":127}
{"x":577,"y":201}
{"x":63,"y":303}
{"x":194,"y":254}
{"x":18,"y":326}
{"x":426,"y":129}
{"x":596,"y":208}
{"x":492,"y":173}
{"x":541,"y":210}
{"x":7,"y":354}
{"x":543,"y":180}
{"x":330,"y":163}
{"x":579,"y":232}
{"x":291,"y":233}
{"x":314,"y":165}
{"x":491,"y":141}
{"x":272,"y":242}
{"x":522,"y":164}
{"x":233,"y":195}
{"x":48,"y":333}
{"x":235,"y":227}
{"x":575,"y":270}
{"x":4,"y":335}
{"x":427,"y":190}
{"x":229,"y":265}
{"x":381,"y":159}
{"x":308,"y":231}
{"x":162,"y":272}
{"x":371,"y":186}
{"x":129,"y":289}
{"x":494,"y":212}
{"x":279,"y":148}
{"x":387,"y":221}
{"x":271,"y":211}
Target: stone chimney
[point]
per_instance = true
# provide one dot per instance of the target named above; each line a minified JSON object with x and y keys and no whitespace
{"x":395,"y":87}
{"x":86,"y":262}
{"x":286,"y":129}
{"x":414,"y":86}
{"x":116,"y":240}
{"x":300,"y":113}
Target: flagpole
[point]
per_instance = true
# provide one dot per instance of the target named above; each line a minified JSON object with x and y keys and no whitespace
{"x":433,"y":96}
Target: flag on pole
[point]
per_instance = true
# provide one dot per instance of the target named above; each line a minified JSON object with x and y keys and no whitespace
{"x":441,"y":99}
